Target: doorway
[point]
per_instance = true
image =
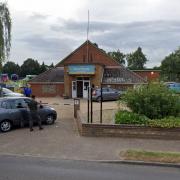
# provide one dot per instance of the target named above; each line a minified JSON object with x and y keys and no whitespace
{"x":79,"y":89}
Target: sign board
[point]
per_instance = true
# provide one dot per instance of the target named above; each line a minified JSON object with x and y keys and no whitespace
{"x":81,"y":69}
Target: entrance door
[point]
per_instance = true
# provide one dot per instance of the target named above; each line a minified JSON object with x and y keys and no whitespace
{"x":74,"y":89}
{"x":86,"y":85}
{"x":79,"y":89}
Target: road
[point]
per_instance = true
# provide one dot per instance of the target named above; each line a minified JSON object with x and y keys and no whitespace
{"x":32,"y":168}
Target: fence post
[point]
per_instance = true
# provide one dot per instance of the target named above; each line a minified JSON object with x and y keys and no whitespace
{"x":76,"y":106}
{"x":91,"y":105}
{"x":101,"y":106}
{"x":88,"y":106}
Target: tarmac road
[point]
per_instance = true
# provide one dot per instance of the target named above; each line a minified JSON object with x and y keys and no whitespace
{"x":32,"y":168}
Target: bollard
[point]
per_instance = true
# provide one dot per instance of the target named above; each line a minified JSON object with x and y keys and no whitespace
{"x":76,"y":106}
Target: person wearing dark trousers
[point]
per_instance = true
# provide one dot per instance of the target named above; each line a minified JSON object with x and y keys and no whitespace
{"x":33,"y":107}
{"x":24,"y":114}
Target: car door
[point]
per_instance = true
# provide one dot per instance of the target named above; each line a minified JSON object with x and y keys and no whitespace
{"x":114,"y":94}
{"x":105,"y":93}
{"x":8,"y":112}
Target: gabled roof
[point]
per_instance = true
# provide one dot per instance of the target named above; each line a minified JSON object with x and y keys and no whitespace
{"x":91,"y":44}
{"x":121,"y":75}
{"x":51,"y":75}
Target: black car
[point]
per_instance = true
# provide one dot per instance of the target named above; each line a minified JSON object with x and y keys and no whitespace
{"x":10,"y":113}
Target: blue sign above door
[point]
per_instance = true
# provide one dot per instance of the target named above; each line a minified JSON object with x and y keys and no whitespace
{"x":81,"y":69}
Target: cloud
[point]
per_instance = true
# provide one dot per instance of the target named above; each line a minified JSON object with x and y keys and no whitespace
{"x":124,"y":25}
{"x":157,"y":38}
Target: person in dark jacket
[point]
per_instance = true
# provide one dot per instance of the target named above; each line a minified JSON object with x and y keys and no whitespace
{"x":33,"y":107}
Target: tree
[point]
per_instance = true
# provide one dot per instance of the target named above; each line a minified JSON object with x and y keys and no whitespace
{"x":118,"y":56}
{"x":30,"y":66}
{"x":137,"y":59}
{"x":5,"y":32}
{"x":11,"y":68}
{"x":170,"y":67}
{"x":51,"y":66}
{"x":43,"y":68}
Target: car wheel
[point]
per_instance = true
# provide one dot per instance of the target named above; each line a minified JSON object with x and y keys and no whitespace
{"x":5,"y":126}
{"x":50,"y":119}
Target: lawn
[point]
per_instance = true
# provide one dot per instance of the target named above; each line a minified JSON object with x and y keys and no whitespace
{"x":151,"y":156}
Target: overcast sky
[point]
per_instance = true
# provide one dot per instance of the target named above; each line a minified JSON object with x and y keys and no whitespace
{"x":50,"y":30}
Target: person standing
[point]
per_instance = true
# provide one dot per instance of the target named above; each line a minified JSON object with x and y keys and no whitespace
{"x":27,"y":91}
{"x":33,"y":107}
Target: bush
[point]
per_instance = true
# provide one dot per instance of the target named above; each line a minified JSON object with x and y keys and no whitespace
{"x":153,"y":100}
{"x":126,"y":117}
{"x":168,"y":122}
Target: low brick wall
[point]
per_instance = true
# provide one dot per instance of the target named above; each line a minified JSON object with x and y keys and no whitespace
{"x":106,"y":130}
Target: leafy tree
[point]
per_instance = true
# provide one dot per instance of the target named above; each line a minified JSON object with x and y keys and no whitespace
{"x":30,"y":66}
{"x":118,"y":56}
{"x":157,"y":68}
{"x":137,"y":59}
{"x":5,"y":32}
{"x":51,"y":66}
{"x":11,"y":68}
{"x":170,"y":67}
{"x":43,"y":68}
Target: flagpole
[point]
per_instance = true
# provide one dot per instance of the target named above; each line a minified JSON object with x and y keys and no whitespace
{"x":88,"y":38}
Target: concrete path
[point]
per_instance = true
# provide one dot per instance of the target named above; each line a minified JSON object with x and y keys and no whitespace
{"x":62,"y":140}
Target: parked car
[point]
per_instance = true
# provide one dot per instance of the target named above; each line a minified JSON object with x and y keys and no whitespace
{"x":107,"y":94}
{"x":10,"y":114}
{"x":174,"y":86}
{"x":8,"y":93}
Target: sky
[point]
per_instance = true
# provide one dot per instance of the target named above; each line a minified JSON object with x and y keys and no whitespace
{"x":49,"y":30}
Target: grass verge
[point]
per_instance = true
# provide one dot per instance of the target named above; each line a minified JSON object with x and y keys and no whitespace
{"x":151,"y":156}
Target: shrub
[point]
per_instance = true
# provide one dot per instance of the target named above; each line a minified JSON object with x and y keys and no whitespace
{"x":168,"y":122}
{"x":153,"y":100}
{"x":126,"y":117}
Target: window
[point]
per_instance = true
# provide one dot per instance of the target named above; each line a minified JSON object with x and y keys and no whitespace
{"x":5,"y":105}
{"x":14,"y":104}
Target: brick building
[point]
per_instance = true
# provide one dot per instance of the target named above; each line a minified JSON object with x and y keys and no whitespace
{"x":148,"y":74}
{"x":86,"y":66}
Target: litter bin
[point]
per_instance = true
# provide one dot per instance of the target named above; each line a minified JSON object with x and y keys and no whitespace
{"x":76,"y":106}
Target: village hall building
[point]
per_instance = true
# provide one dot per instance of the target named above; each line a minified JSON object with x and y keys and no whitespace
{"x":84,"y":67}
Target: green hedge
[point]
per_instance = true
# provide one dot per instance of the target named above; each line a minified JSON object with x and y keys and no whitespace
{"x":125,"y":117}
{"x":168,"y":122}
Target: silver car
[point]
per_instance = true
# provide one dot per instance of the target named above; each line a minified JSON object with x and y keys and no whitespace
{"x":107,"y":94}
{"x":8,"y":93}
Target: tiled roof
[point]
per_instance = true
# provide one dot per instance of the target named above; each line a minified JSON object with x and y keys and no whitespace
{"x":121,"y":75}
{"x":51,"y":75}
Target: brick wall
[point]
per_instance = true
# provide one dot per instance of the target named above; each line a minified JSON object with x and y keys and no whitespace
{"x":47,"y":89}
{"x":96,"y":56}
{"x":149,"y":75}
{"x":106,"y":130}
